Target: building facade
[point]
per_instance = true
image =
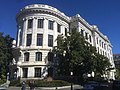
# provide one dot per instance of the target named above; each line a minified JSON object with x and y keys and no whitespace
{"x":37,"y":29}
{"x":116,"y":58}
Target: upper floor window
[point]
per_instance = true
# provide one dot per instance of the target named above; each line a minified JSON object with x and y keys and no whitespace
{"x":50,"y":25}
{"x":40,"y":23}
{"x":50,"y":40}
{"x":29,"y":39}
{"x":90,"y":38}
{"x":26,"y":56}
{"x":97,"y":40}
{"x":39,"y":39}
{"x":86,"y":36}
{"x":65,"y":31}
{"x":38,"y":56}
{"x":100,"y":42}
{"x":59,"y":28}
{"x":30,"y":23}
{"x":82,"y":32}
{"x":37,"y":72}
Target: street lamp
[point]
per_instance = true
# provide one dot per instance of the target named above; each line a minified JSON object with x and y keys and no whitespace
{"x":71,"y":73}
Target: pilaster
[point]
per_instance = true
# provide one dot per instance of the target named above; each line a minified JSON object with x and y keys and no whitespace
{"x":45,"y":33}
{"x":34,"y":32}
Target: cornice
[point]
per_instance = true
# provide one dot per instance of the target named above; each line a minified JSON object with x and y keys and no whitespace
{"x":38,"y":8}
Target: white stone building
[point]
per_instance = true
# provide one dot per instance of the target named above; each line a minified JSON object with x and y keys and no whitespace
{"x":37,"y":29}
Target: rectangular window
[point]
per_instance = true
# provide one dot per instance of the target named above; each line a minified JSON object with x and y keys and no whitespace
{"x":40,"y":23}
{"x":39,"y":39}
{"x":86,"y":36}
{"x":26,"y":56}
{"x":25,"y":72}
{"x":37,"y":72}
{"x":38,"y":56}
{"x":100,"y":42}
{"x":90,"y":38}
{"x":30,"y":23}
{"x":50,"y":40}
{"x":50,"y":25}
{"x":59,"y":28}
{"x":97,"y":40}
{"x":82,"y":32}
{"x":29,"y":39}
{"x":65,"y":31}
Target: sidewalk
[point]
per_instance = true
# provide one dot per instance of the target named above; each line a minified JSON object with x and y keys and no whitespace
{"x":75,"y":87}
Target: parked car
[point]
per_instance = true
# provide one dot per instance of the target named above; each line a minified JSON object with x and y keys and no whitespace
{"x":116,"y":85}
{"x":91,"y":85}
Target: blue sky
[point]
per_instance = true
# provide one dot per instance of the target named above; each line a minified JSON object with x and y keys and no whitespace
{"x":103,"y":13}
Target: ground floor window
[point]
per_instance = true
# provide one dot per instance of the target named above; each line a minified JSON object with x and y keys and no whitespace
{"x":25,"y":72}
{"x":37,"y":72}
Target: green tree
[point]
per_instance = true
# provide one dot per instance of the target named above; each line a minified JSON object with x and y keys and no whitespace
{"x":5,"y":54}
{"x":77,"y":55}
{"x":101,"y":64}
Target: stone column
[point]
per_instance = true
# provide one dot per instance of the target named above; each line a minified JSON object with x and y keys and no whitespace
{"x":34,"y":32}
{"x":55,"y":34}
{"x":24,"y":32}
{"x":45,"y":34}
{"x":18,"y":35}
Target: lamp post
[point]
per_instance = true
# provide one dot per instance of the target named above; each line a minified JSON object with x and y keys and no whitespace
{"x":71,"y":74}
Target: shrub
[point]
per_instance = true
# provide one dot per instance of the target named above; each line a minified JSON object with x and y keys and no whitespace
{"x":41,"y":83}
{"x":15,"y":83}
{"x":54,"y":83}
{"x":2,"y":81}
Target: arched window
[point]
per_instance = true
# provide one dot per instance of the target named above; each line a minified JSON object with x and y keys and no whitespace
{"x":38,"y":56}
{"x":26,"y":56}
{"x":50,"y":56}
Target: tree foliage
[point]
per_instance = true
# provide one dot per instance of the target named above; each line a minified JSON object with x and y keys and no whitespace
{"x":77,"y":55}
{"x":5,"y":53}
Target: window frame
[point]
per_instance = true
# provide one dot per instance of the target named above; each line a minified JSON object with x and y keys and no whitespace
{"x":50,"y":40}
{"x":30,"y":24}
{"x":39,"y":39}
{"x":50,"y":25}
{"x":40,"y":23}
{"x":37,"y":72}
{"x":29,"y":39}
{"x":38,"y":56}
{"x":26,"y":56}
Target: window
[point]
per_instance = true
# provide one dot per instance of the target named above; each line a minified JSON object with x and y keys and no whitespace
{"x":50,"y":56}
{"x":82,"y":32}
{"x":98,"y":49}
{"x":90,"y":38}
{"x":50,"y":40}
{"x":26,"y":56}
{"x":86,"y":36}
{"x":97,"y":40}
{"x":50,"y":25}
{"x":30,"y":23}
{"x":38,"y":56}
{"x":59,"y":28}
{"x":105,"y":46}
{"x":65,"y":31}
{"x":100,"y":42}
{"x":29,"y":39}
{"x":39,"y":39}
{"x":25,"y":72}
{"x":40,"y":23}
{"x":37,"y":72}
